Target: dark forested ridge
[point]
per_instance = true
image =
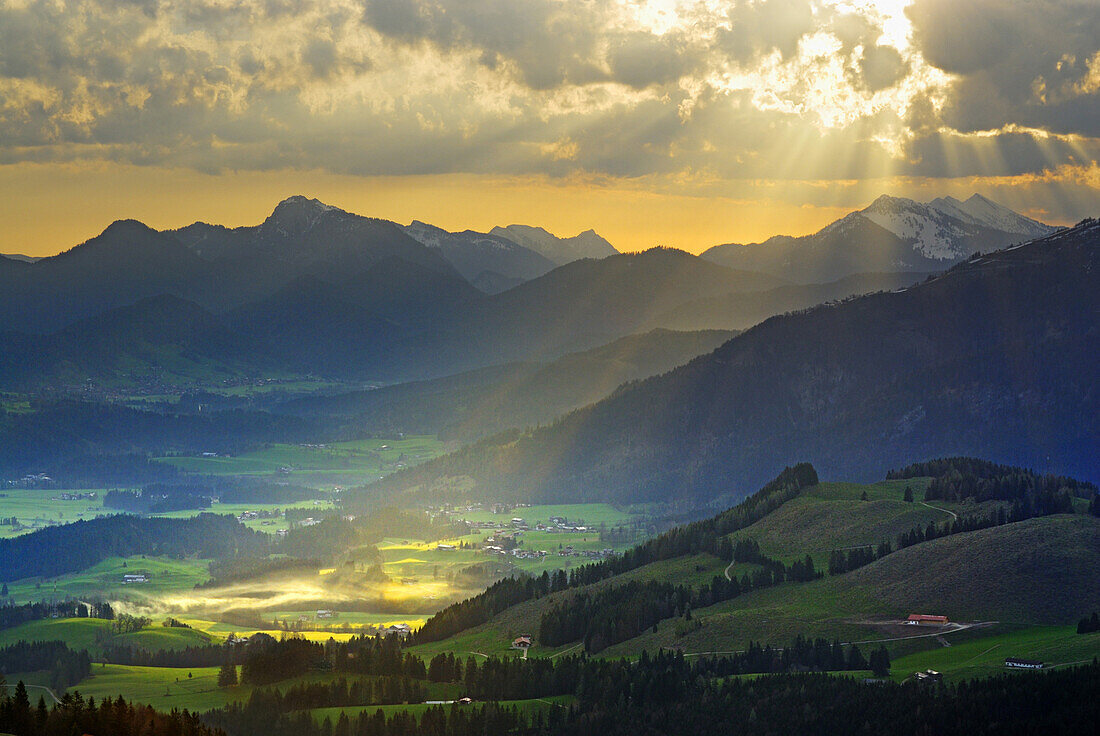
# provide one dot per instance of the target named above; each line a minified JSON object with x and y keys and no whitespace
{"x":60,"y":549}
{"x":995,"y":358}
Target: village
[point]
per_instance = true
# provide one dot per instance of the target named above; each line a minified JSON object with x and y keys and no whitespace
{"x":508,"y":541}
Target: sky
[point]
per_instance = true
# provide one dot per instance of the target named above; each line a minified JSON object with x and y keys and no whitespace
{"x":655,"y":122}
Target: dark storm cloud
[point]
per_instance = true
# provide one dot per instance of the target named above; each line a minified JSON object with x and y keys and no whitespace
{"x":1029,"y":63}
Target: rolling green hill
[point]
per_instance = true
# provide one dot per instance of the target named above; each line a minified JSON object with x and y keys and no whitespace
{"x":1032,"y":573}
{"x":91,"y":633}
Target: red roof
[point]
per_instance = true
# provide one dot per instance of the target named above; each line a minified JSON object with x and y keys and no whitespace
{"x":926,"y":617}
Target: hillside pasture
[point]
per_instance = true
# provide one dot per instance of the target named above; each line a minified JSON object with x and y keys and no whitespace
{"x":92,"y":633}
{"x":37,"y":508}
{"x":104,"y":580}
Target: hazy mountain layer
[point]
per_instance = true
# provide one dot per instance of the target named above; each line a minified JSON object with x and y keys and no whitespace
{"x":995,"y":358}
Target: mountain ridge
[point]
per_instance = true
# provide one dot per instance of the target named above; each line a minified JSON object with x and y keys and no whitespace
{"x":987,"y":354}
{"x":890,"y":234}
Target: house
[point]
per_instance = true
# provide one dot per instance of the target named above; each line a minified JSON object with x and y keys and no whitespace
{"x":522,"y":642}
{"x":326,"y":613}
{"x":401,"y":630}
{"x":446,"y":547}
{"x":135,"y":578}
{"x":928,"y":677}
{"x":1015,"y":663}
{"x":924,"y":619}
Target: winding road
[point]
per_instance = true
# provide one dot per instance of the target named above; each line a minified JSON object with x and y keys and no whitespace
{"x":954,"y":516}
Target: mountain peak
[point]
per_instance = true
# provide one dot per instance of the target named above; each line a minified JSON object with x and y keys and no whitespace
{"x":127,"y":227}
{"x":298,"y":213}
{"x":887,"y":202}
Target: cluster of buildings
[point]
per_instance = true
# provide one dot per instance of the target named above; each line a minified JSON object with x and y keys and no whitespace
{"x":89,"y":496}
{"x":32,"y":479}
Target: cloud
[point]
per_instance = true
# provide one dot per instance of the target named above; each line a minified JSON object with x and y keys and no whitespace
{"x":750,"y":90}
{"x":1016,"y":63}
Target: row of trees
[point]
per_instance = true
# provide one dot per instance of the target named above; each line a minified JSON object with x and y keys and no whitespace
{"x":671,"y":695}
{"x":13,"y":615}
{"x":75,"y":715}
{"x":63,"y":666}
{"x":1089,"y":624}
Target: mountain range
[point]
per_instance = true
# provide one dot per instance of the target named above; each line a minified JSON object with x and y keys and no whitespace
{"x":320,"y":291}
{"x":994,"y":358}
{"x":891,"y":234}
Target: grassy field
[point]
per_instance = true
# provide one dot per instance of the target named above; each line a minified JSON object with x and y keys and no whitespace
{"x":578,"y":514}
{"x":104,"y":580}
{"x":366,"y":459}
{"x":86,"y":633}
{"x":1041,"y":571}
{"x":196,"y":688}
{"x":269,"y":526}
{"x":985,"y":655}
{"x":834,"y":516}
{"x":36,"y":508}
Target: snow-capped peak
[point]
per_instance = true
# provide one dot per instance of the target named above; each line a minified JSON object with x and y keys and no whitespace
{"x":934,"y":234}
{"x":978,"y":210}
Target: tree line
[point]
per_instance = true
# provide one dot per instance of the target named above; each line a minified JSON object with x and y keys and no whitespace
{"x":12,"y":615}
{"x":670,"y":694}
{"x":75,"y":715}
{"x":63,"y":666}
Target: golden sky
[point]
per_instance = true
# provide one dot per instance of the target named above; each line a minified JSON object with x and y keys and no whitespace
{"x":651,"y":121}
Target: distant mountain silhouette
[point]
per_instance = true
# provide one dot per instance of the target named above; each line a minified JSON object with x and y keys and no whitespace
{"x":891,"y":234}
{"x":559,"y":250}
{"x":475,"y":254}
{"x":995,"y":358}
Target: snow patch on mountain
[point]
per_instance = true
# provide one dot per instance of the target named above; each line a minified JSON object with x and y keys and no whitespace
{"x":933,"y":234}
{"x":978,"y":210}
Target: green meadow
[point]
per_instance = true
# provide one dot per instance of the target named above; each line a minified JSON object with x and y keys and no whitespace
{"x":104,"y":580}
{"x":92,"y":633}
{"x":37,"y":508}
{"x":983,"y":655}
{"x":368,"y":459}
{"x":585,"y":514}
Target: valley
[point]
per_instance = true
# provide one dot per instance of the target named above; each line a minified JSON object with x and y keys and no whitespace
{"x":619,"y":469}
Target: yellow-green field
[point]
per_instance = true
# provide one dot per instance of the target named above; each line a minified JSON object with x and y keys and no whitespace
{"x":586,"y":514}
{"x":92,"y":633}
{"x":37,"y":508}
{"x":104,"y":580}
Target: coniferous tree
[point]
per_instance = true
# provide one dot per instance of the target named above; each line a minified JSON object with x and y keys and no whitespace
{"x":880,"y":662}
{"x":227,"y":675}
